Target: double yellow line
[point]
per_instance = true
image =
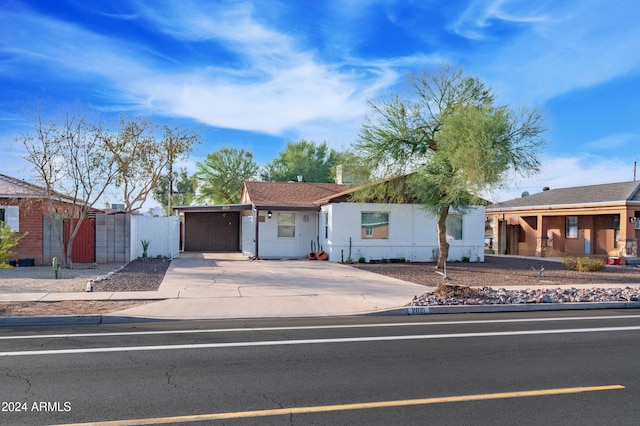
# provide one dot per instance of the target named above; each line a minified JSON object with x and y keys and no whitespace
{"x":344,"y":407}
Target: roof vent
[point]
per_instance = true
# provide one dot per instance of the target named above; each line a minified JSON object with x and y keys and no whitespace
{"x":546,"y":188}
{"x":525,"y":194}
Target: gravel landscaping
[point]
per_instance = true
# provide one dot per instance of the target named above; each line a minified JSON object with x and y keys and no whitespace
{"x":482,"y":283}
{"x":468,"y":283}
{"x":135,"y":276}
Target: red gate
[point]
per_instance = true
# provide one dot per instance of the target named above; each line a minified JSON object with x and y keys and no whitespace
{"x":84,"y":243}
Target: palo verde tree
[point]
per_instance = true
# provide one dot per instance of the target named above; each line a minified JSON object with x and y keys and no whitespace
{"x":72,"y":160}
{"x":449,"y":131}
{"x":221,"y":175}
{"x":142,"y":151}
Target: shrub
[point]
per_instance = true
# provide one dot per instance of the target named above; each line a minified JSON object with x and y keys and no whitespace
{"x":8,"y":240}
{"x":571,"y":263}
{"x":583,"y":264}
{"x":586,"y":264}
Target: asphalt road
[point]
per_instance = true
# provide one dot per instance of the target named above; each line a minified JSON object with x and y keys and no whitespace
{"x":550,"y":368}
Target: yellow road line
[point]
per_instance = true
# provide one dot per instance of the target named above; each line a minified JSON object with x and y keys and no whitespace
{"x":343,"y":407}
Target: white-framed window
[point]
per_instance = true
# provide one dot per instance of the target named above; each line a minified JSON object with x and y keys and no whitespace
{"x":11,"y":215}
{"x":326,"y":225}
{"x":572,"y":227}
{"x":636,"y":222}
{"x":454,"y":226}
{"x":374,"y":225}
{"x":286,"y":225}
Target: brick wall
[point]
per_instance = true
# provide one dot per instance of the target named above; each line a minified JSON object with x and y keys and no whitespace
{"x":31,"y":213}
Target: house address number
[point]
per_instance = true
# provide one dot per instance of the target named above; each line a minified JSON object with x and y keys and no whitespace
{"x":418,"y":310}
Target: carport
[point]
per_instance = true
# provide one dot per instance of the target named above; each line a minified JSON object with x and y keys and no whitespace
{"x":214,"y":228}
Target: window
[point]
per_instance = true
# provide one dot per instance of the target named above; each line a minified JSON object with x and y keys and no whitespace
{"x":11,"y":215}
{"x":636,"y":224}
{"x":572,"y":227}
{"x":375,"y":226}
{"x":454,"y":227}
{"x":326,"y":225}
{"x":286,"y":225}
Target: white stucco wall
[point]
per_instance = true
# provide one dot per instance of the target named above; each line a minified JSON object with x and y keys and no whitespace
{"x":412,"y":234}
{"x":273,"y":247}
{"x":162,"y":232}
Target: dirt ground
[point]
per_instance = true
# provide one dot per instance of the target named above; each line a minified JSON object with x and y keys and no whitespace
{"x":494,"y":272}
{"x":135,"y":276}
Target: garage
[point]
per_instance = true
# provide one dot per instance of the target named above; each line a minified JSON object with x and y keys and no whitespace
{"x":212,"y":228}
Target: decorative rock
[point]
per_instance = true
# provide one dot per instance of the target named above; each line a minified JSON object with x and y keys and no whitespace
{"x":489,"y":296}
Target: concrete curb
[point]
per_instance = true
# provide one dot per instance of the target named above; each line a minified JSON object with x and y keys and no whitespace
{"x":15,"y":321}
{"x":532,"y":307}
{"x":97,"y":319}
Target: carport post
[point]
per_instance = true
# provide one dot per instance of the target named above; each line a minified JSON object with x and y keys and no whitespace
{"x":256,"y":221}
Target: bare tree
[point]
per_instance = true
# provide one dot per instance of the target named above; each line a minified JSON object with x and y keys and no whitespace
{"x":142,"y":150}
{"x":71,"y":160}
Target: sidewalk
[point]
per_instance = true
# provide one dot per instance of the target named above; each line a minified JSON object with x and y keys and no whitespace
{"x":229,"y":286}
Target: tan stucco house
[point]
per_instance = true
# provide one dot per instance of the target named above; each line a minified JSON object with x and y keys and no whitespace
{"x":599,"y":220}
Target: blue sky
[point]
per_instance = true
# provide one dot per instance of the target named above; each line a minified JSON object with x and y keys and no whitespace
{"x":256,"y":74}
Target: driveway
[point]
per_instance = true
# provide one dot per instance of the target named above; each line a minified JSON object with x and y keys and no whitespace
{"x":227,"y":285}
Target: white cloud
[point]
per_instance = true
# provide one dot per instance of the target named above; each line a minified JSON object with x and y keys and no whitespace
{"x":279,"y":85}
{"x":611,"y":142}
{"x":476,"y":20}
{"x":562,"y":46}
{"x":568,"y":171}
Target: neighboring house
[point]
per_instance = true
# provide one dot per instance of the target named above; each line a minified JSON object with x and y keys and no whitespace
{"x":283,"y":219}
{"x":103,"y":238}
{"x":23,"y":206}
{"x":599,"y":220}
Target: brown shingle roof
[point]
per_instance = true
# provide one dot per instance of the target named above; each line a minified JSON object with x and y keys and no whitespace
{"x":289,"y":194}
{"x":604,"y":193}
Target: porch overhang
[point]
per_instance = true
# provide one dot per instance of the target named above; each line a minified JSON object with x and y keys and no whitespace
{"x":214,"y":208}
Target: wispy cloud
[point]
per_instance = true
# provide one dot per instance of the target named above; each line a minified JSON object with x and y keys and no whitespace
{"x":275,"y":85}
{"x":612,"y":142}
{"x":568,"y":171}
{"x":563,"y":46}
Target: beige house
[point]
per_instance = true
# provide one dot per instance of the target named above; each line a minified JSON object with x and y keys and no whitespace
{"x":599,"y":220}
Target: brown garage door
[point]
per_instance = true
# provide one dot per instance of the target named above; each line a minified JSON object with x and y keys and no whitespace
{"x":212,"y":231}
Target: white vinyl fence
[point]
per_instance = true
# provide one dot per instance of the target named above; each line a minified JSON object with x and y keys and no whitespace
{"x":163,"y":234}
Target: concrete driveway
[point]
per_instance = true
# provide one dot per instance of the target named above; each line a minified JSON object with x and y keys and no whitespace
{"x":227,"y":285}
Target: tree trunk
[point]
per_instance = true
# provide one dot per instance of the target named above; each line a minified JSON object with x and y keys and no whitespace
{"x":443,"y":245}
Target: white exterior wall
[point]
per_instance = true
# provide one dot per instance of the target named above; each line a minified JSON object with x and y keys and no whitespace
{"x":412,"y":234}
{"x":162,"y":232}
{"x":270,"y":246}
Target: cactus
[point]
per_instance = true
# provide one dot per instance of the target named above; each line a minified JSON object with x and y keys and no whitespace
{"x":56,"y":267}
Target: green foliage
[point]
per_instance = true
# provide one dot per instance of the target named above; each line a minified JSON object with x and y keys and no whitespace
{"x":56,"y":268}
{"x":307,"y":159}
{"x":449,"y":131}
{"x":8,"y":240}
{"x":184,"y":190}
{"x":222,"y":174}
{"x":583,"y":264}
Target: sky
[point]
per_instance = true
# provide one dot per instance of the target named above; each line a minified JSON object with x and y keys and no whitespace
{"x":258,"y":74}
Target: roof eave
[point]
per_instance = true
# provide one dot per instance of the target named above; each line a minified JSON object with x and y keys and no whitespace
{"x":548,"y":207}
